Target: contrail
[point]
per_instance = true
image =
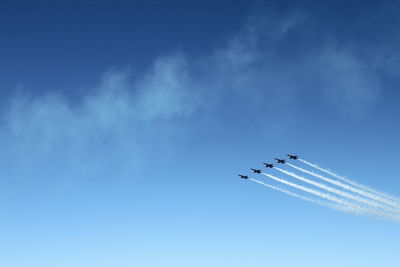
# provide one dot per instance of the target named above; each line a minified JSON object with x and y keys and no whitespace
{"x":341,"y":193}
{"x":357,"y":208}
{"x":338,"y":207}
{"x":347,"y":187}
{"x":350,"y":181}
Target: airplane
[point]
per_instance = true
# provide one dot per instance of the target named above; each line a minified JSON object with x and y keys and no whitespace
{"x":282,"y":161}
{"x":292,"y":156}
{"x":244,"y":176}
{"x":255,"y":170}
{"x":268,"y":165}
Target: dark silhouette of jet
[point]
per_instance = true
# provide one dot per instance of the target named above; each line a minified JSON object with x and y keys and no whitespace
{"x":282,"y":161}
{"x":268,"y":165}
{"x":292,"y":156}
{"x":244,"y":176}
{"x":255,"y":170}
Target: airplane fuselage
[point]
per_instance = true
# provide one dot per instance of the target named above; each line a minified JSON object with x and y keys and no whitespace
{"x":256,"y":171}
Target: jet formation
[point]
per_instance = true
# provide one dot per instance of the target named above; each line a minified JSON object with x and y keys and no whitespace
{"x":335,"y":192}
{"x":270,"y":165}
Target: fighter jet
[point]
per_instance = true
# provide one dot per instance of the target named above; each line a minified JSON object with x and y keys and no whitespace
{"x":268,"y":165}
{"x":255,"y":170}
{"x":282,"y":161}
{"x":292,"y":156}
{"x":244,"y":176}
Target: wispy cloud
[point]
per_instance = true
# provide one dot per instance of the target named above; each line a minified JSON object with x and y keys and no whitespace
{"x":348,"y":81}
{"x":268,"y":62}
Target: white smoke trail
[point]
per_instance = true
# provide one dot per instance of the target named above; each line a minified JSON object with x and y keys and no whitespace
{"x":357,"y":208}
{"x":341,"y":193}
{"x":338,"y":207}
{"x":347,"y":187}
{"x":364,"y":187}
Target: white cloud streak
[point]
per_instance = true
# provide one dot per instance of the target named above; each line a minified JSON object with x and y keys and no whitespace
{"x":341,"y":178}
{"x":345,"y":186}
{"x":341,"y":193}
{"x":342,"y":208}
{"x":335,"y":199}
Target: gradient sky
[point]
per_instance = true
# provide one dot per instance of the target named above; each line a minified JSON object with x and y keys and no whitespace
{"x":124,"y":125}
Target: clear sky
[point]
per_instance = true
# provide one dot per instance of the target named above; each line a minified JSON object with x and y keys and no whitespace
{"x":124,"y":125}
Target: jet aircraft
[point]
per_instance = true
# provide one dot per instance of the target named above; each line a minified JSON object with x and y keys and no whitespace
{"x":292,"y":156}
{"x":244,"y":176}
{"x":255,"y":170}
{"x":282,"y":161}
{"x":268,"y":165}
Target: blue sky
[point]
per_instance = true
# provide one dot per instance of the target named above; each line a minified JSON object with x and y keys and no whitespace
{"x":124,"y":126}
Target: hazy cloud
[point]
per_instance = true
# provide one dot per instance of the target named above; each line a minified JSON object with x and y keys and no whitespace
{"x":270,"y":62}
{"x":348,"y":81}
